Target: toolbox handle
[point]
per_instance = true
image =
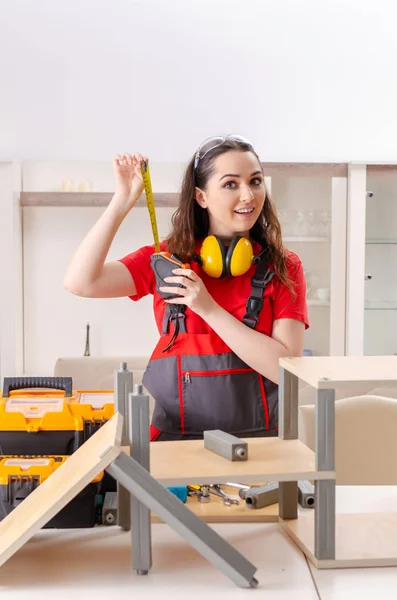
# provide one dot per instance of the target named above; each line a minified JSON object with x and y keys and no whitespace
{"x":23,"y":383}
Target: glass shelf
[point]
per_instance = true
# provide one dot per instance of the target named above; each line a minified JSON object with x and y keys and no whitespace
{"x":381,"y":242}
{"x":306,"y":239}
{"x":380,"y":305}
{"x":315,"y":302}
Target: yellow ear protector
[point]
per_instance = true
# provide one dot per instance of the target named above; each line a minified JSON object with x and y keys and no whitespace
{"x":217,"y":261}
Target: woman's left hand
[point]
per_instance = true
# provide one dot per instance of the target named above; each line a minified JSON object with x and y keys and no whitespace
{"x":194,"y":293}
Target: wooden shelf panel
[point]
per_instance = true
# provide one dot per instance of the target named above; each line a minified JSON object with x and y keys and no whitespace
{"x":171,"y":199}
{"x":362,"y":540}
{"x":216,"y":512}
{"x":269,"y":459}
{"x":315,"y":302}
{"x":379,"y":171}
{"x":89,"y":199}
{"x":304,"y":169}
{"x":324,"y":372}
{"x":306,"y":240}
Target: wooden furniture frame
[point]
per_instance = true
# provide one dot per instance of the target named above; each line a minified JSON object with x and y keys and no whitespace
{"x":327,"y":539}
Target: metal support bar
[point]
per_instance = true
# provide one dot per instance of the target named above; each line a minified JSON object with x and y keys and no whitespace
{"x":325,"y":430}
{"x":140,"y":515}
{"x":324,"y":519}
{"x":288,"y":499}
{"x":261,"y":495}
{"x":288,"y":405}
{"x":122,"y":388}
{"x":306,"y":494}
{"x":170,"y":509}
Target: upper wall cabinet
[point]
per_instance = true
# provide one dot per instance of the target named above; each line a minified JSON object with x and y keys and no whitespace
{"x":311,"y":202}
{"x":371,"y":298}
{"x":380,"y":279}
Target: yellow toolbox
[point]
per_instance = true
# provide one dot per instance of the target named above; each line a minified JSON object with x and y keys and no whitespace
{"x":19,"y":477}
{"x":44,"y":415}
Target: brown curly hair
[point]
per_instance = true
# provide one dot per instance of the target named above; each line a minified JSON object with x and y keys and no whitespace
{"x":190,"y":222}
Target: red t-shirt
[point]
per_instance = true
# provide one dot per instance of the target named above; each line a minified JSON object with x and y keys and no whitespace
{"x":231,"y":293}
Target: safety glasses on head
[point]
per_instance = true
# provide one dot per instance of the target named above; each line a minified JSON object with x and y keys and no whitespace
{"x":213,"y":142}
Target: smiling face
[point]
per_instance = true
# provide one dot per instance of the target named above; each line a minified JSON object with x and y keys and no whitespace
{"x":234,"y":194}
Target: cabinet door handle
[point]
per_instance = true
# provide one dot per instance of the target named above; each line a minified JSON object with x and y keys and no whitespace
{"x":367,"y":276}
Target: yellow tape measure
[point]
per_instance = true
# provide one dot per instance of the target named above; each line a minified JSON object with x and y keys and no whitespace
{"x":150,"y":203}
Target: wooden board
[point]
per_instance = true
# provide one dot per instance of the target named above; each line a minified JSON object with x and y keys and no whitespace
{"x":90,"y":199}
{"x":362,"y":540}
{"x":61,"y":487}
{"x":269,"y":459}
{"x":216,"y":512}
{"x":324,"y":372}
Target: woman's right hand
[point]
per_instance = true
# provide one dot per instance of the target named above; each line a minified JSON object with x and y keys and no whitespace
{"x":127,"y":171}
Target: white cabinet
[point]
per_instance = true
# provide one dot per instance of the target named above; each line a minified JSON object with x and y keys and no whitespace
{"x":341,"y":220}
{"x":380,"y":298}
{"x":371,"y":327}
{"x":311,"y":201}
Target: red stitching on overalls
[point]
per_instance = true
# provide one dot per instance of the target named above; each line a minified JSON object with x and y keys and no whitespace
{"x":264,"y":398}
{"x":181,"y":412}
{"x":220,"y":372}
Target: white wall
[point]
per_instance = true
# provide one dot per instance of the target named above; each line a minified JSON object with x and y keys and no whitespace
{"x":307,"y":80}
{"x":55,"y":320}
{"x":11,"y":297}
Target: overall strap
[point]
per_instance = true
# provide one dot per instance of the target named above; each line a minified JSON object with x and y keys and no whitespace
{"x":174,"y":313}
{"x":262,"y":276}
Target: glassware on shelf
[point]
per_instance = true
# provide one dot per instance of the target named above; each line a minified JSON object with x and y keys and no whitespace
{"x":313,"y":223}
{"x":314,"y":287}
{"x":309,"y":282}
{"x":84,"y":186}
{"x":324,"y":224}
{"x":302,"y":225}
{"x":67,"y":185}
{"x":283,"y":220}
{"x":323,"y":294}
{"x":286,"y":219}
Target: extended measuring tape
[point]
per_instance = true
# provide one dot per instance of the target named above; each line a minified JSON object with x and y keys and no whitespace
{"x":150,"y":202}
{"x":162,"y":263}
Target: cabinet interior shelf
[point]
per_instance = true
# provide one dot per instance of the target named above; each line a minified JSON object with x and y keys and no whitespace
{"x":380,"y":305}
{"x":305,"y":239}
{"x":380,"y":242}
{"x":89,"y":199}
{"x":99,"y":199}
{"x":315,"y":302}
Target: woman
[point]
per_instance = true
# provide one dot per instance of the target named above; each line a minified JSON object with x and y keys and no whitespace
{"x":224,"y":321}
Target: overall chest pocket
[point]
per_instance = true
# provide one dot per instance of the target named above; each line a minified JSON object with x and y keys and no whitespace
{"x":229,"y":399}
{"x":199,"y":391}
